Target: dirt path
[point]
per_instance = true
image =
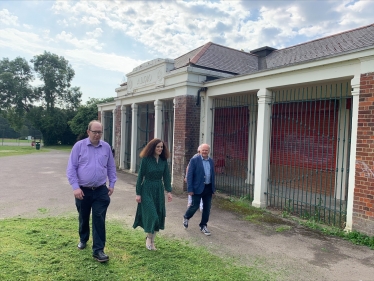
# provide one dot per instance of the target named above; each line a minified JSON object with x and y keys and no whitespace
{"x":35,"y":185}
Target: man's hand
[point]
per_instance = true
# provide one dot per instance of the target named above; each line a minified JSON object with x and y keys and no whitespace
{"x":138,"y":199}
{"x":110,"y":190}
{"x":190,"y":193}
{"x":78,"y":194}
{"x":170,"y":197}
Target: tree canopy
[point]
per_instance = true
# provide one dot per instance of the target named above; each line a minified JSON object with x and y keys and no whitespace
{"x":48,"y":106}
{"x":56,"y":73}
{"x":85,"y":114}
{"x":16,"y":93}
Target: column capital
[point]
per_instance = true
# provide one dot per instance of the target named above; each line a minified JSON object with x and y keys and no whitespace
{"x":264,"y":96}
{"x":134,"y":106}
{"x":157,"y":103}
{"x":355,"y":87}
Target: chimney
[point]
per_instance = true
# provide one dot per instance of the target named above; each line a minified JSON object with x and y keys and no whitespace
{"x":263,"y":51}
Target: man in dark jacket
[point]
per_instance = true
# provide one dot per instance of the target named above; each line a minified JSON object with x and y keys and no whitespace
{"x":200,"y":185}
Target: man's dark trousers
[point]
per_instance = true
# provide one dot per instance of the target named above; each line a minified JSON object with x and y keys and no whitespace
{"x":206,"y":196}
{"x":98,"y":200}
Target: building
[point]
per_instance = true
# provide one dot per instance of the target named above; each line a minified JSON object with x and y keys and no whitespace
{"x":291,"y":128}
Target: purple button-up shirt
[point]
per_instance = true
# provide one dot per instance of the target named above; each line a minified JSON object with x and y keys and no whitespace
{"x":91,"y":165}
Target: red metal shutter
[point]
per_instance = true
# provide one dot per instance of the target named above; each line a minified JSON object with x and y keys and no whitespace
{"x":305,"y":134}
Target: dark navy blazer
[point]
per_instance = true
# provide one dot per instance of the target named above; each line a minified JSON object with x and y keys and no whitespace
{"x":196,"y":175}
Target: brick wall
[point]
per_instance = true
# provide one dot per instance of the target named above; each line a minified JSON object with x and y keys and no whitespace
{"x":363,"y":204}
{"x":186,"y":137}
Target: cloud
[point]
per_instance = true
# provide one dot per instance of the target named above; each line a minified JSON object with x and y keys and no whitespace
{"x":96,"y":33}
{"x":90,"y":20}
{"x":86,"y":43}
{"x":169,"y":29}
{"x":7,"y":18}
{"x":106,"y":61}
{"x":27,"y":42}
{"x":32,"y":44}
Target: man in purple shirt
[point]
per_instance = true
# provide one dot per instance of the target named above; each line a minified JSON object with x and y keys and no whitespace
{"x":90,"y":164}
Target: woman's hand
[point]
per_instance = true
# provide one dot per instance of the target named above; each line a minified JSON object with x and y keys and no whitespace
{"x":170,"y":197}
{"x":138,"y":199}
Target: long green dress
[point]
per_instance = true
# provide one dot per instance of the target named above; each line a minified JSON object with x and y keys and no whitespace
{"x":153,"y":178}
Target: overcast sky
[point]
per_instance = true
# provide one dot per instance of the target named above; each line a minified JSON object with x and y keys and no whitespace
{"x":104,"y":40}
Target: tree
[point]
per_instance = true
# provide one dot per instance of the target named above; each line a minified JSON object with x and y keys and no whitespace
{"x":85,"y":114}
{"x":53,"y":124}
{"x":59,"y":100}
{"x":16,"y":93}
{"x":56,"y":73}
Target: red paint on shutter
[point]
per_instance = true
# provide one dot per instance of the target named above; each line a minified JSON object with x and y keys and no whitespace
{"x":304,"y":134}
{"x":230,"y":135}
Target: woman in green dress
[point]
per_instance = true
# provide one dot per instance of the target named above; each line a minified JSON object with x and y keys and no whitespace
{"x":153,"y":178}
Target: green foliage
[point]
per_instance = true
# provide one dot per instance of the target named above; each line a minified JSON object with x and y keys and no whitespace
{"x":56,"y":74}
{"x":353,"y":236}
{"x":85,"y":115}
{"x":45,"y":249}
{"x":53,"y":124}
{"x":56,"y":98}
{"x":16,"y":92}
{"x":283,"y":228}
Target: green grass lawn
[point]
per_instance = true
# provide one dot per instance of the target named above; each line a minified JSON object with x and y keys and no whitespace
{"x":22,"y":150}
{"x":15,"y":140}
{"x":45,"y":249}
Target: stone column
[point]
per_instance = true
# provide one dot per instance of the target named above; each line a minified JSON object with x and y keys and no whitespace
{"x":123,"y":137}
{"x":206,"y":119}
{"x":134,"y":136}
{"x":114,"y":128}
{"x":351,"y":181}
{"x":158,"y":119}
{"x":262,"y":148}
{"x":103,"y":123}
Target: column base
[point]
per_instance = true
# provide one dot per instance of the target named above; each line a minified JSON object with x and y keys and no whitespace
{"x":259,"y":204}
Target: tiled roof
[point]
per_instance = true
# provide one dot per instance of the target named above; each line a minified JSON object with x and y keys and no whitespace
{"x":224,"y":59}
{"x":220,"y":58}
{"x":336,"y":44}
{"x":185,"y":59}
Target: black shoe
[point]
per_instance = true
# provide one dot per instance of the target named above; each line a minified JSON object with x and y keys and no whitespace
{"x":100,"y":256}
{"x":81,"y":245}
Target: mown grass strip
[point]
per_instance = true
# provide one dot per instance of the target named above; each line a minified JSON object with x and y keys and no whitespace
{"x":45,"y":249}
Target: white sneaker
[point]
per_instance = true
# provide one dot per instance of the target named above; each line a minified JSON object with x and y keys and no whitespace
{"x":201,"y":209}
{"x":185,"y":223}
{"x":205,"y":231}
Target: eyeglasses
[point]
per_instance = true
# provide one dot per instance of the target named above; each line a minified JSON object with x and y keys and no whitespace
{"x":96,"y":132}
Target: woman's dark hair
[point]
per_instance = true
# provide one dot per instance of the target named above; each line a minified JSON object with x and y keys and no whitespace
{"x":149,"y":150}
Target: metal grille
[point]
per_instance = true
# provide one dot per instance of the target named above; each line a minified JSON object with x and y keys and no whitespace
{"x":108,"y":127}
{"x":128,"y":134}
{"x":145,"y":130}
{"x":309,"y":151}
{"x":234,"y":143}
{"x":168,"y":128}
